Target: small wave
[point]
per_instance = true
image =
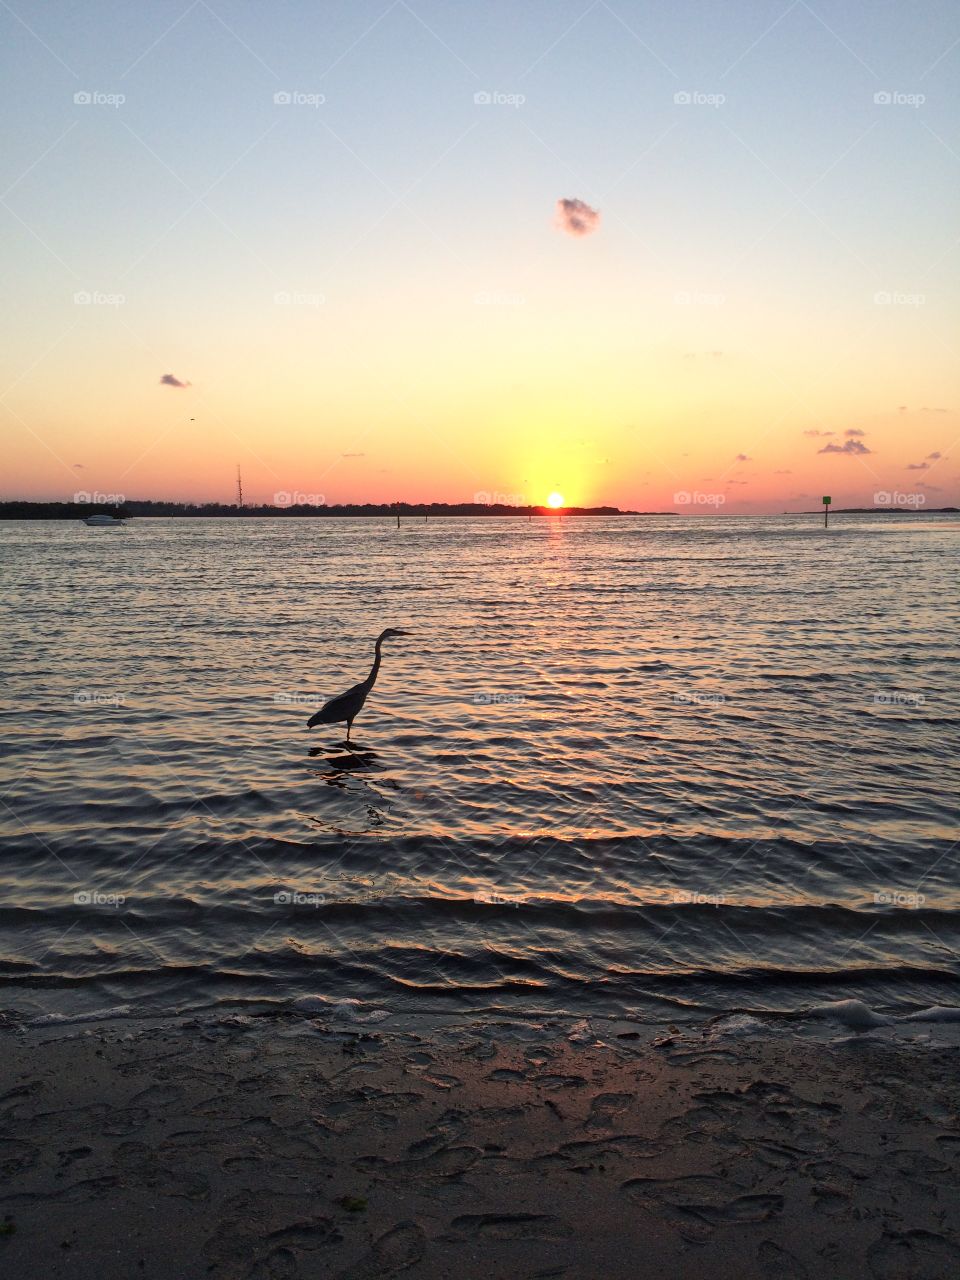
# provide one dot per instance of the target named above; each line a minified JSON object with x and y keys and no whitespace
{"x":348,"y":1009}
{"x":91,"y":1015}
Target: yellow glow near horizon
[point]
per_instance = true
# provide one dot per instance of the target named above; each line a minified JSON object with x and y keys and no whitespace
{"x":555,"y":500}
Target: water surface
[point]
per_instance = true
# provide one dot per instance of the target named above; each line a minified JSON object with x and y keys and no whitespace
{"x":655,"y":766}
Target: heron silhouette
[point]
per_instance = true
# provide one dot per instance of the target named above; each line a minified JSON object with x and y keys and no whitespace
{"x":347,"y":706}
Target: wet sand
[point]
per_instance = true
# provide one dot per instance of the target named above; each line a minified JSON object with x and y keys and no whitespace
{"x":270,"y":1151}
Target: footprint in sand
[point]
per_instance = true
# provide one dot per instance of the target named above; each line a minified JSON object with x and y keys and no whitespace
{"x":439,"y":1080}
{"x":777,"y":1264}
{"x":695,"y":1205}
{"x":142,"y":1167}
{"x":66,"y":1158}
{"x":510,"y":1226}
{"x":621,"y":1146}
{"x":605,"y":1108}
{"x":158,"y":1096}
{"x":913,"y":1255}
{"x":920,"y":1166}
{"x":16,"y":1156}
{"x":399,"y":1248}
{"x":830,"y":1200}
{"x":261,"y":1233}
{"x":448,"y":1162}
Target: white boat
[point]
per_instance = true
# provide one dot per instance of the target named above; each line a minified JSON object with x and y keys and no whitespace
{"x":102,"y":519}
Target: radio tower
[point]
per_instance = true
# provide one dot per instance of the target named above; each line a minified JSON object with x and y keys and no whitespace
{"x":239,"y":489}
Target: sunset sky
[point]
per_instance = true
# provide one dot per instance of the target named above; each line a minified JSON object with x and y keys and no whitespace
{"x":327,"y":241}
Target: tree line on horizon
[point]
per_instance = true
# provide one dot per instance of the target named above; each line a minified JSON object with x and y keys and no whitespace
{"x":21,"y":509}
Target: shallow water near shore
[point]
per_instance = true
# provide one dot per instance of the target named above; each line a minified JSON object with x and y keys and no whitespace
{"x":662,"y":768}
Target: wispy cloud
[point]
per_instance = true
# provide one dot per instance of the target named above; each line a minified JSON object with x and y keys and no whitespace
{"x":854,"y":431}
{"x":741,"y":457}
{"x":935,"y":456}
{"x":815,"y":432}
{"x":353,"y":455}
{"x":918,"y":466}
{"x":171,"y":380}
{"x":576,"y":218}
{"x":848,"y":446}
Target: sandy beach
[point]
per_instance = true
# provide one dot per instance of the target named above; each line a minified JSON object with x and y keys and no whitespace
{"x":265,"y":1150}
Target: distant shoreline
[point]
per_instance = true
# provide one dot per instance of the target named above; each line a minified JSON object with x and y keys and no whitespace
{"x":24,"y":510}
{"x":880,"y":511}
{"x":145,"y":508}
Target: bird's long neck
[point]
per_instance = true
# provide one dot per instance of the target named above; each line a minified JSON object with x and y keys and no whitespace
{"x":376,"y":665}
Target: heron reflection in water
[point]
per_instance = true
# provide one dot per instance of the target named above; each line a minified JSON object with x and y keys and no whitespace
{"x":348,"y":705}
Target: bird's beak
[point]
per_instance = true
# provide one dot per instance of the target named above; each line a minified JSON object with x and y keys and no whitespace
{"x":402,"y":633}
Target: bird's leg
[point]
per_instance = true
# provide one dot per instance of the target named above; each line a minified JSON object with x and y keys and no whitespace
{"x":349,"y":727}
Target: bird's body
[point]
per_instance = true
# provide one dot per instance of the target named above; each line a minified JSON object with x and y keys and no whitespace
{"x":346,"y":706}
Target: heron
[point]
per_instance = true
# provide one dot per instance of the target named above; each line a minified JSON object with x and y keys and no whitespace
{"x":348,"y":705}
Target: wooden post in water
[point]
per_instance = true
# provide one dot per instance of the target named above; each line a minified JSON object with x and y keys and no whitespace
{"x":398,"y":513}
{"x":826,"y":512}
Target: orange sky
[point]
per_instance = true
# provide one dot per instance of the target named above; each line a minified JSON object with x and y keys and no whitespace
{"x":344,"y":237}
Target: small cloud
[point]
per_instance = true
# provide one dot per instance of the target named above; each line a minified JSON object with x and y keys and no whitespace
{"x":918,"y":466}
{"x":741,"y":457}
{"x":901,"y":408}
{"x":854,"y":431}
{"x":926,"y":410}
{"x":575,"y":217}
{"x":78,"y":466}
{"x":934,"y":456}
{"x":848,"y":447}
{"x":930,"y":488}
{"x":170,"y":380}
{"x":353,"y":455}
{"x":783,"y":473}
{"x":815,"y":432}
{"x":738,"y":482}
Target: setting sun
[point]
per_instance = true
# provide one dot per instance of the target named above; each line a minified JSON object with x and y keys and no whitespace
{"x":555,"y":499}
